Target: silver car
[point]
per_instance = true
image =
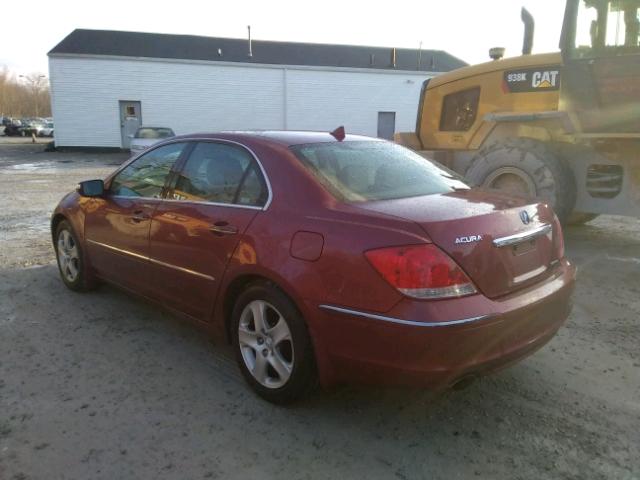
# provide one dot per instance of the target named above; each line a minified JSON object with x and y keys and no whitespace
{"x":147,"y":136}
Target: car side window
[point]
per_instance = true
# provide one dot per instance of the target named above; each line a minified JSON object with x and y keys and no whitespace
{"x":220,"y":173}
{"x":146,"y":176}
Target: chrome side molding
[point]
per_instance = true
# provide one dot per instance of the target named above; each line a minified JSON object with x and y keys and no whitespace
{"x":413,"y":323}
{"x":522,"y":236}
{"x":152,"y":260}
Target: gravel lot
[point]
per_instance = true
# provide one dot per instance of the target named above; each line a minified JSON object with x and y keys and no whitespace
{"x":103,"y":386}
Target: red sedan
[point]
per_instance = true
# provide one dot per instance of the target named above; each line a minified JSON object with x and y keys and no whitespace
{"x":323,"y":257}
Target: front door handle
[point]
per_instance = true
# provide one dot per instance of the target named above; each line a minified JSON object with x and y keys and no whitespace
{"x":139,"y":216}
{"x":223,"y":228}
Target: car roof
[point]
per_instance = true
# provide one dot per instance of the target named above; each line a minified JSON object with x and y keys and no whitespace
{"x":282,"y":137}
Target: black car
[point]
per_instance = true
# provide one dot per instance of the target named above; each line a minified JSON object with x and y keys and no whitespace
{"x":12,"y":127}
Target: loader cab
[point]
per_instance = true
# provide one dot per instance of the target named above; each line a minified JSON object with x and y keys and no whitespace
{"x":601,"y":54}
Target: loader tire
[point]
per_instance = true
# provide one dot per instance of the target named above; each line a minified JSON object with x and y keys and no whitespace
{"x":577,"y":219}
{"x":528,"y":168}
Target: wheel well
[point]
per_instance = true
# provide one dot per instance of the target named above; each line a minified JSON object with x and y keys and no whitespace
{"x":55,"y":221}
{"x":235,"y":288}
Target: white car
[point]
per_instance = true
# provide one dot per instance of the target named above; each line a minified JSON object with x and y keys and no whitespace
{"x":46,"y":130}
{"x":147,"y":136}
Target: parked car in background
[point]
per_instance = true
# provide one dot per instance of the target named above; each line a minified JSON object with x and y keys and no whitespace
{"x":31,"y":126}
{"x":319,"y":257}
{"x":46,"y":130}
{"x":12,"y":127}
{"x":147,"y":136}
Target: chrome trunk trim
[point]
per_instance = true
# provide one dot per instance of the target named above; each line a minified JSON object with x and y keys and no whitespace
{"x":522,"y":236}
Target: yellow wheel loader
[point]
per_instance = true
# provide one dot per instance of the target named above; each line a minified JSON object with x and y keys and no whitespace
{"x":563,"y":127}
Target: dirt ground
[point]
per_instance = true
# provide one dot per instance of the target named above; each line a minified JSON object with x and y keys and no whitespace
{"x":103,"y":386}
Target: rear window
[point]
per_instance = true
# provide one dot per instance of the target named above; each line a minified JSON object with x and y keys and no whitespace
{"x":371,"y":170}
{"x":154,"y":133}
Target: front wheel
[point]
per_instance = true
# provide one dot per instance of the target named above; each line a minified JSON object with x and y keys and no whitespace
{"x":71,"y":264}
{"x":272,"y":344}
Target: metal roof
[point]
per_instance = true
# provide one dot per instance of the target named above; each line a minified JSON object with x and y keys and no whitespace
{"x":190,"y":47}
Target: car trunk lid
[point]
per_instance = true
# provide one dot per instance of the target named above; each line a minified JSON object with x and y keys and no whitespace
{"x":502,"y":243}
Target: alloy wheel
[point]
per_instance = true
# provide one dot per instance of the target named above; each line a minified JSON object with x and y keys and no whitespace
{"x":68,"y":256}
{"x":266,"y":344}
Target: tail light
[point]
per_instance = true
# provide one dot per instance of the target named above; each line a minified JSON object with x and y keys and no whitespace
{"x":421,"y":271}
{"x":558,"y":239}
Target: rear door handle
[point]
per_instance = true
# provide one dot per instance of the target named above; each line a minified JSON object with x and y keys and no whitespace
{"x":223,"y":228}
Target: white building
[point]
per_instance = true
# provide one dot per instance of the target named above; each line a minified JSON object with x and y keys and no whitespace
{"x":105,"y":83}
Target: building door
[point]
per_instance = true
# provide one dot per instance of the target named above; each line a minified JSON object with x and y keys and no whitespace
{"x":386,"y":125}
{"x":130,"y":120}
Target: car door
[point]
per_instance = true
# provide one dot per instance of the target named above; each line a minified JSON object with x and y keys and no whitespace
{"x":195,"y":230}
{"x":117,"y":224}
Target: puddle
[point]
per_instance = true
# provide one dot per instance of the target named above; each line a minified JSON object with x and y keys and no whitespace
{"x":30,"y":167}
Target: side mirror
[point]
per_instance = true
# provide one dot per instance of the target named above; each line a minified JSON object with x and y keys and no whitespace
{"x":91,"y":188}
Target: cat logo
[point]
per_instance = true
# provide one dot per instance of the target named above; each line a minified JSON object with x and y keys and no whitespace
{"x":547,"y":79}
{"x":531,"y":80}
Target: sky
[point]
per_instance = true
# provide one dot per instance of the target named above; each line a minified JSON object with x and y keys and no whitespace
{"x":466,"y":29}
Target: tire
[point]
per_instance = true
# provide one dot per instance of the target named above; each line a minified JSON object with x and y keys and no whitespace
{"x":577,"y":219}
{"x":277,"y":361}
{"x":71,"y":261}
{"x":526,"y":167}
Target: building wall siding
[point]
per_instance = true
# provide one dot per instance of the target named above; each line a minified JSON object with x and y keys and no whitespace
{"x":197,"y":97}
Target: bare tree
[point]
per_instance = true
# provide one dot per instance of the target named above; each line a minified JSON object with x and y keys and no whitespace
{"x":24,"y":95}
{"x":35,"y":83}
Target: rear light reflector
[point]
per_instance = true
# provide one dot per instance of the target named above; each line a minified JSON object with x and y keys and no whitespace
{"x":421,"y":271}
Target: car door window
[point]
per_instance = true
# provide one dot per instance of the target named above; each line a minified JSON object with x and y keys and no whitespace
{"x":220,"y":173}
{"x":146,"y":176}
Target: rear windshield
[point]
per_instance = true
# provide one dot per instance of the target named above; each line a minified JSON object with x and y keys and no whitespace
{"x":153,"y":133}
{"x":371,"y":170}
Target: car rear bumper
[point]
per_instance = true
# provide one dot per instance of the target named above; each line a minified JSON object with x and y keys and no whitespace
{"x":436,"y":344}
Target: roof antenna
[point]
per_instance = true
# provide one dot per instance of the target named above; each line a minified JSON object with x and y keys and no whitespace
{"x":339,"y":133}
{"x":250,"y":51}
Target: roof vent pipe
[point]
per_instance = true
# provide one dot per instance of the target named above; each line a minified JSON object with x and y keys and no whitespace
{"x":250,"y":54}
{"x":529,"y":27}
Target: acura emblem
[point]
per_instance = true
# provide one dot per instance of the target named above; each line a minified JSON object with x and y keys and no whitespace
{"x":524,"y":216}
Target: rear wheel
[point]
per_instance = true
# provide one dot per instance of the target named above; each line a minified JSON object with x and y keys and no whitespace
{"x":525,"y":167}
{"x":272,"y":344}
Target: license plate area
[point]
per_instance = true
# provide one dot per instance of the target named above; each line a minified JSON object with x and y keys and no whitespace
{"x":524,"y":247}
